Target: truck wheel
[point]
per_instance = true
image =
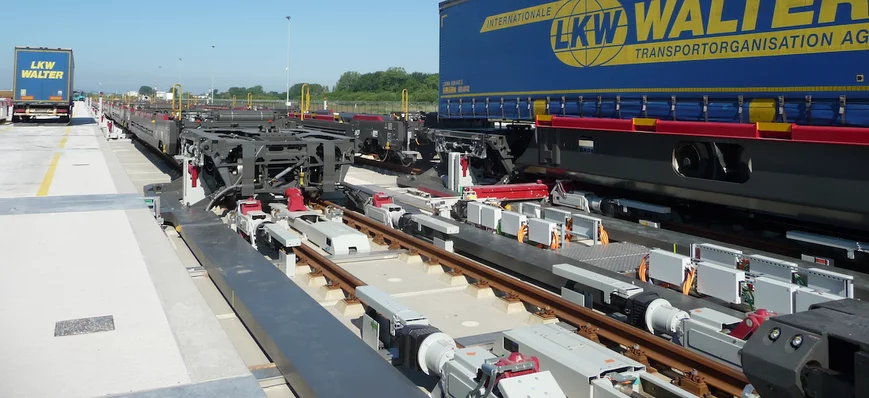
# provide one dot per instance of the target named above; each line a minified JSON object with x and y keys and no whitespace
{"x":65,"y":119}
{"x":16,"y":119}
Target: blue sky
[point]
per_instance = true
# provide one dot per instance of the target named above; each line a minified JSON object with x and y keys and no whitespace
{"x":127,"y":44}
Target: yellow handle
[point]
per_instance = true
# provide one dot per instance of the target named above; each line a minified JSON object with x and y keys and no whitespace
{"x":405,"y":104}
{"x":177,"y":95}
{"x":306,"y":100}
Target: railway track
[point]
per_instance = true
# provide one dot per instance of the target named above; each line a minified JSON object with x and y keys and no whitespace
{"x":336,"y":276}
{"x":691,"y":371}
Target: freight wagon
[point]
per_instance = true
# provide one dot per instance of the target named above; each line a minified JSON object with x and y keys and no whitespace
{"x":761,"y":106}
{"x":43,"y":83}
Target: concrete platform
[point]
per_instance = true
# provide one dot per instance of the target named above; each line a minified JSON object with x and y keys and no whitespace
{"x":96,"y":301}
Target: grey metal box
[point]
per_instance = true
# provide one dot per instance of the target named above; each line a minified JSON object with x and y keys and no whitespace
{"x":511,"y":221}
{"x":585,"y":226}
{"x":530,"y":209}
{"x":832,"y":282}
{"x":490,"y":216}
{"x":540,"y":231}
{"x":718,"y":254}
{"x":668,"y":267}
{"x":805,"y":297}
{"x":720,"y":281}
{"x":557,"y":215}
{"x":474,"y":210}
{"x":763,"y":265}
{"x":774,"y":295}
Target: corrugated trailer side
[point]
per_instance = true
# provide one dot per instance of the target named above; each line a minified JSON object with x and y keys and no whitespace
{"x":728,"y":61}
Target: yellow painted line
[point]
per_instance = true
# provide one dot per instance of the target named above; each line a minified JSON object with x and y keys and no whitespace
{"x":65,"y":137}
{"x":52,"y":167}
{"x":49,"y":176}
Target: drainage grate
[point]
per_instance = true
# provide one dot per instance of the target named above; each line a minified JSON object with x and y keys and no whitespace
{"x":72,"y":327}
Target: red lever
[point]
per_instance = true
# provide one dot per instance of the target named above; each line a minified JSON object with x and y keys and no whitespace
{"x":194,"y":174}
{"x":379,"y":199}
{"x":752,"y":321}
{"x":516,"y":358}
{"x":295,"y":200}
{"x":464,"y":162}
{"x":251,"y":205}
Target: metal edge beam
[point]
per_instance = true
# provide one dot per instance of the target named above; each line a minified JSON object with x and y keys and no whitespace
{"x":317,"y":354}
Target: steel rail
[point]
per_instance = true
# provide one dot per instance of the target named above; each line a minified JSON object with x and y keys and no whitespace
{"x":696,"y":368}
{"x":336,"y":275}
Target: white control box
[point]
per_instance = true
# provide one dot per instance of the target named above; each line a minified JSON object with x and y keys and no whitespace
{"x":541,"y":231}
{"x":490,"y":216}
{"x":720,"y":281}
{"x":774,"y":295}
{"x":475,"y":210}
{"x":511,"y":222}
{"x":668,"y":267}
{"x":805,"y":297}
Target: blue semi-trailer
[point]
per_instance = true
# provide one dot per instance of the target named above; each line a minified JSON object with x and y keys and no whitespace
{"x":43,"y":83}
{"x":692,"y":60}
{"x":759,"y":108}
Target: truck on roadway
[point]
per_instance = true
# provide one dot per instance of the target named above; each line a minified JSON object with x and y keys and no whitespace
{"x":43,"y":83}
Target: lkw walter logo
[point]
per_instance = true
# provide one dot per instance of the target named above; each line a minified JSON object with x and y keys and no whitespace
{"x":588,"y":32}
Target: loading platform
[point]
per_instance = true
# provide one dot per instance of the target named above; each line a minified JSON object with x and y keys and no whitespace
{"x":96,"y":300}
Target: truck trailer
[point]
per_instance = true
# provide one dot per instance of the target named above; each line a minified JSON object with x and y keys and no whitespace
{"x":681,"y":60}
{"x":730,"y":111}
{"x":43,"y":84}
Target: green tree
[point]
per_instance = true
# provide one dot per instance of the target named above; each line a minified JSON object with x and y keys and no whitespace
{"x":354,"y":86}
{"x":146,"y":90}
{"x":347,"y":81}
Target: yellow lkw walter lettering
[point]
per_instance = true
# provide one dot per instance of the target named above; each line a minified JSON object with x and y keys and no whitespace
{"x":42,"y":65}
{"x":784,"y":15}
{"x":655,"y":21}
{"x":859,"y":10}
{"x":716,"y":22}
{"x":689,"y":19}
